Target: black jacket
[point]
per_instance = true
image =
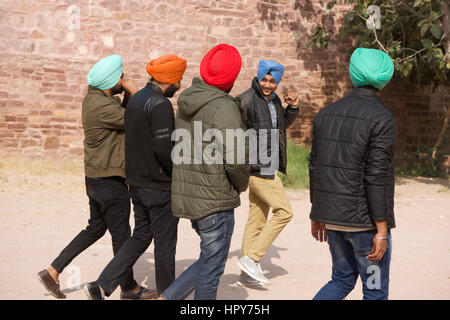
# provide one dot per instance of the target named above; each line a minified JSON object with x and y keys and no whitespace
{"x":258,"y":117}
{"x":149,"y":123}
{"x":352,"y":162}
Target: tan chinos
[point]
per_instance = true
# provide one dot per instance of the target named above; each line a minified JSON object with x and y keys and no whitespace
{"x":259,"y":234}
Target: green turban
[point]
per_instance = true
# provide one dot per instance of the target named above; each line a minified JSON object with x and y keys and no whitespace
{"x":370,"y":67}
{"x":106,"y":73}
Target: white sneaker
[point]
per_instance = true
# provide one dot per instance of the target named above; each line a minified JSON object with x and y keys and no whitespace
{"x":252,"y":268}
{"x":246,"y":281}
{"x":259,"y":268}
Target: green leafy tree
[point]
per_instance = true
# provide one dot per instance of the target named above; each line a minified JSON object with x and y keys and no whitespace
{"x":415,"y":34}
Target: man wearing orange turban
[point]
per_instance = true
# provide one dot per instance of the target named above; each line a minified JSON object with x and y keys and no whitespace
{"x":167,"y":69}
{"x":149,"y":123}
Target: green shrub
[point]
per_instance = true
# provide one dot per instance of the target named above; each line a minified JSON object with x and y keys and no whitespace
{"x":297,"y":168}
{"x":420,"y":163}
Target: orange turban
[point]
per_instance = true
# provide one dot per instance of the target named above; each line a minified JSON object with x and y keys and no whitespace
{"x":168,"y":69}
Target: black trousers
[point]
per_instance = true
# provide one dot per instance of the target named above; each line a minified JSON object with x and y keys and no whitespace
{"x":109,"y":204}
{"x":153,"y":220}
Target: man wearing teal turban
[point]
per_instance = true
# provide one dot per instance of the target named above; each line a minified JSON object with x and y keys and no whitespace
{"x":104,"y":159}
{"x":106,"y":73}
{"x":370,"y":67}
{"x":351,"y":170}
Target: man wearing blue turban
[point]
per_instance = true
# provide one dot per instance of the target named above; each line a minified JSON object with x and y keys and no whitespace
{"x":266,"y":115}
{"x":270,"y":67}
{"x":104,"y":159}
{"x":351,"y":169}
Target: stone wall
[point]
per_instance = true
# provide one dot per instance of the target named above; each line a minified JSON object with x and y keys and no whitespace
{"x":47,"y":47}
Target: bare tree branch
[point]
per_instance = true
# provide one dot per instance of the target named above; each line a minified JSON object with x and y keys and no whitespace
{"x":378,"y":41}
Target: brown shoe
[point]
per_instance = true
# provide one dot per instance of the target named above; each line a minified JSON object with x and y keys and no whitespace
{"x":50,"y":284}
{"x":142,"y":294}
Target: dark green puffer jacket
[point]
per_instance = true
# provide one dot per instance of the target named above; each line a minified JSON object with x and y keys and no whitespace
{"x":202,"y":189}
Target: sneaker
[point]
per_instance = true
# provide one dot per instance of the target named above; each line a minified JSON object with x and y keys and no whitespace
{"x":259,"y":268}
{"x":93,"y":292}
{"x":252,"y":268}
{"x":246,"y":281}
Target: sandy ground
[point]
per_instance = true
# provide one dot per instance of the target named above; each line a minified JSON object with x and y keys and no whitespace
{"x":43,"y":206}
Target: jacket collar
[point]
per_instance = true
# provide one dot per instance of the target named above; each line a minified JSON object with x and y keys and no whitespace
{"x":94,"y":90}
{"x":364,"y":93}
{"x":154,"y":88}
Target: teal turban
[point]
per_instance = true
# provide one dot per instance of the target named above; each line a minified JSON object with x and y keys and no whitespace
{"x":370,"y":67}
{"x":106,"y":73}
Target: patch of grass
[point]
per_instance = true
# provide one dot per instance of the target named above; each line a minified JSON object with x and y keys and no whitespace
{"x":297,"y":168}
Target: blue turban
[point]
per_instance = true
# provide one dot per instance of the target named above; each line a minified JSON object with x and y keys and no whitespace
{"x":106,"y":73}
{"x":275,"y":69}
{"x":370,"y":67}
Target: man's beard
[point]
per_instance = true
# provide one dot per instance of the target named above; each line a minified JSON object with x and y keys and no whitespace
{"x":170,"y":91}
{"x":117,"y":89}
{"x":269,"y":94}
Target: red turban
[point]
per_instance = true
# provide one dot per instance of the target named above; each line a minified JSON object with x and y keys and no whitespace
{"x":221,"y":66}
{"x":168,"y":69}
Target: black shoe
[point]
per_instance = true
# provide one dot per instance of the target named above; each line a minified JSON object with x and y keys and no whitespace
{"x":142,"y":294}
{"x":50,"y":284}
{"x":92,"y":291}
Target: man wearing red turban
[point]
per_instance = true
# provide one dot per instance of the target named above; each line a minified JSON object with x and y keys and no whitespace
{"x":149,"y":123}
{"x":207,"y":192}
{"x":221,"y":66}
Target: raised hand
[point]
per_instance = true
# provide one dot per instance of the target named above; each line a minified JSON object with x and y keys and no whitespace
{"x":292,"y":99}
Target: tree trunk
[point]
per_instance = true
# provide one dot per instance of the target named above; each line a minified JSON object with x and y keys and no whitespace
{"x":439,"y":141}
{"x":446,"y":28}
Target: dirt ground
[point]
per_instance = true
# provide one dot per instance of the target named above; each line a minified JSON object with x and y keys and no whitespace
{"x":43,"y":206}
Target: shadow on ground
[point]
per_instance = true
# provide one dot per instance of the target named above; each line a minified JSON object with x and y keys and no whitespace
{"x":144,"y":273}
{"x":431,"y":181}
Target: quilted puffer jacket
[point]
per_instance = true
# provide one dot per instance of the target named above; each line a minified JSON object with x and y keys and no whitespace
{"x":352,"y":162}
{"x":204,"y":186}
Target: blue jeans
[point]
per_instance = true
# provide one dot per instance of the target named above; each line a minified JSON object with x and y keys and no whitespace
{"x":203,"y":276}
{"x":349,"y":251}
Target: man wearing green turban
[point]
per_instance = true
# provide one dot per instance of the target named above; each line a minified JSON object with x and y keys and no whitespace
{"x":104,"y":159}
{"x":370,"y":67}
{"x":351,"y":169}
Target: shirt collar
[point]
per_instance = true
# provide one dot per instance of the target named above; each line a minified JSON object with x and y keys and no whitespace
{"x":269,"y":100}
